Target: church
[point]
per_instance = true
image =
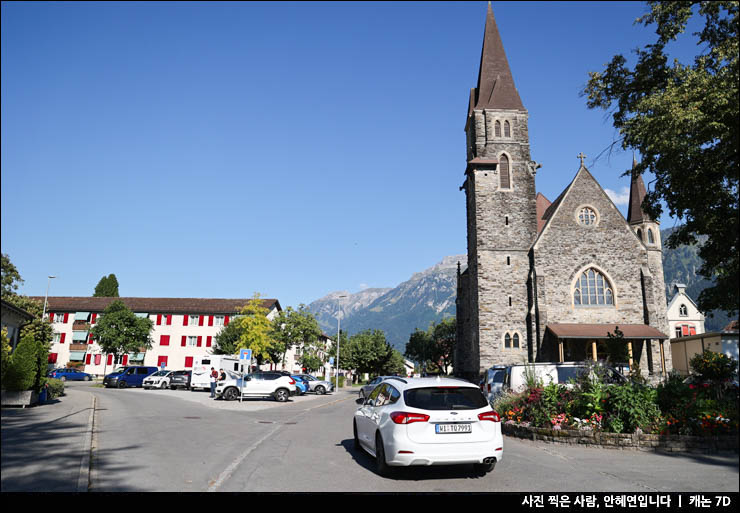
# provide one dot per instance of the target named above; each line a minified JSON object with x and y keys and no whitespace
{"x":548,"y":280}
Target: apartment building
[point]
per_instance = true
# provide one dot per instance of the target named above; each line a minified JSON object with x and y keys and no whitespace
{"x":184,"y":328}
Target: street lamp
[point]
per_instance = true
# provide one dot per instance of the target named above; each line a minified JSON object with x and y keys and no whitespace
{"x":339,"y":331}
{"x":46,"y":297}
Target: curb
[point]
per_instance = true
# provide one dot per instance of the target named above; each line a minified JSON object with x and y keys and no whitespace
{"x":83,"y":479}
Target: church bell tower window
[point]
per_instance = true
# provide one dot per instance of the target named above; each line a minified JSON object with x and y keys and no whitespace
{"x":504,"y":172}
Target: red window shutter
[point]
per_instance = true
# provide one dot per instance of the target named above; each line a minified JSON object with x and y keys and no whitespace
{"x":169,"y":320}
{"x":164,"y":340}
{"x":125,"y":360}
{"x":200,"y":340}
{"x":98,"y":357}
{"x":110,"y":360}
{"x":210,"y":320}
{"x":188,"y":361}
{"x":692,"y":330}
{"x":52,"y":357}
{"x":61,"y":340}
{"x":184,"y":341}
{"x":66,"y":318}
{"x":159,"y":319}
{"x":200,"y":321}
{"x":226,"y":320}
{"x":94,"y":318}
{"x":88,"y":358}
{"x":208,"y":341}
{"x":184,"y":320}
{"x":51,"y":316}
{"x":90,"y":339}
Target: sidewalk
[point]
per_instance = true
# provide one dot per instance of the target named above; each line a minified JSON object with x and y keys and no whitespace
{"x":47,"y":447}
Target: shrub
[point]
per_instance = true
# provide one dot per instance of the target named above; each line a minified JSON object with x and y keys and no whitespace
{"x":632,"y":406}
{"x":55,"y":388}
{"x":20,"y":373}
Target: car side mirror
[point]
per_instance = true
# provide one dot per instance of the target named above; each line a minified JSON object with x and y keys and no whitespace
{"x":360,"y":401}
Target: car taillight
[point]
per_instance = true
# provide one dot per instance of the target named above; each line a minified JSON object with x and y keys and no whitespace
{"x":400,"y":417}
{"x":292,"y":382}
{"x":489,"y":415}
{"x":489,"y":388}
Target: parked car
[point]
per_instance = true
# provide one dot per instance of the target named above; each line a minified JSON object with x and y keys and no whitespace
{"x":259,"y":384}
{"x":492,"y":383}
{"x":428,"y":421}
{"x":316,"y":385}
{"x":180,"y":379}
{"x":366,"y":389}
{"x":160,"y":379}
{"x":70,"y":375}
{"x":563,"y":373}
{"x":301,"y":383}
{"x":132,"y":376}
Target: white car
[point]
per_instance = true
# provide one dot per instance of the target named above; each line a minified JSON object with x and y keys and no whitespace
{"x":259,"y":384}
{"x":428,"y":421}
{"x":160,"y":379}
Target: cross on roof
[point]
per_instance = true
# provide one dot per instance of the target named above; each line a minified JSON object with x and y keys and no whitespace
{"x":581,"y":156}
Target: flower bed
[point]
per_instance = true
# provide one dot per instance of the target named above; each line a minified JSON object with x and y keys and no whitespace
{"x":591,"y":409}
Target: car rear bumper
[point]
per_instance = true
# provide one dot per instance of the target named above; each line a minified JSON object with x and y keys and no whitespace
{"x":402,"y":452}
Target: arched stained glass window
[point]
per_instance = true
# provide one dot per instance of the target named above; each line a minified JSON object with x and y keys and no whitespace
{"x":497,"y":128}
{"x":593,"y":289}
{"x":504,"y":170}
{"x":507,"y":129}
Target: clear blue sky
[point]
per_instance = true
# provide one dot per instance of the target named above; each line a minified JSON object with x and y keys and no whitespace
{"x":290,"y":149}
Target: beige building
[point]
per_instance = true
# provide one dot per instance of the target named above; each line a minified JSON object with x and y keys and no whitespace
{"x":686,"y":347}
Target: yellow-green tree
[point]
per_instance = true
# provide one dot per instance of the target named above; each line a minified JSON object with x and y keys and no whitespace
{"x":255,"y":329}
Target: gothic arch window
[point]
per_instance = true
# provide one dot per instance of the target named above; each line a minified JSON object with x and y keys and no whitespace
{"x":505,"y":176}
{"x":497,"y":128}
{"x":651,"y":238}
{"x":639,"y":234}
{"x":507,"y":129}
{"x":511,"y":340}
{"x":683,"y":311}
{"x":593,"y":289}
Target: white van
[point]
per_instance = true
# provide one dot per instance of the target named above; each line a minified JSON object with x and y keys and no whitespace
{"x":201,"y":376}
{"x":515,"y":377}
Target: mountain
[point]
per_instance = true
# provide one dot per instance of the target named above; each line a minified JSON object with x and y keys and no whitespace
{"x":426,"y":297}
{"x":429,"y":296}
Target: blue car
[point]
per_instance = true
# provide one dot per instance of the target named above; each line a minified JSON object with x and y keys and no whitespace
{"x":300,"y":384}
{"x":70,"y":375}
{"x":132,"y":376}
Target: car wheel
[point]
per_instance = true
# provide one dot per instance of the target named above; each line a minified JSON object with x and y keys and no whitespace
{"x":121,"y":384}
{"x":282,"y":395}
{"x":381,"y":464}
{"x":484,"y":468}
{"x":163,"y":385}
{"x":320,"y":390}
{"x":231,"y":394}
{"x":87,"y":378}
{"x":357,"y":445}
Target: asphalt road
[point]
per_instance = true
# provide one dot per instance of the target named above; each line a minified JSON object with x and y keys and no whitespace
{"x":183,"y":441}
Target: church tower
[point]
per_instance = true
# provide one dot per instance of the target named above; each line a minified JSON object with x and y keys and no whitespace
{"x":501,"y":216}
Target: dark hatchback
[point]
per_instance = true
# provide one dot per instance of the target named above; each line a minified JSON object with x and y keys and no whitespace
{"x":180,"y":379}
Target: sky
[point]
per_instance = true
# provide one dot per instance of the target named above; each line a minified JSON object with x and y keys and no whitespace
{"x":287,"y":149}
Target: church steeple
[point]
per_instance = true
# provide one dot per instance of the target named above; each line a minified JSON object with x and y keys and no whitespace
{"x":496,"y":89}
{"x":635,"y":214}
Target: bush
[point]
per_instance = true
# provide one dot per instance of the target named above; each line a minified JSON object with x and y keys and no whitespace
{"x":54,"y":388}
{"x":20,"y":373}
{"x":631,"y":406}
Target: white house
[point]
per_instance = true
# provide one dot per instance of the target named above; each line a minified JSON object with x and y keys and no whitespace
{"x":684,"y":317}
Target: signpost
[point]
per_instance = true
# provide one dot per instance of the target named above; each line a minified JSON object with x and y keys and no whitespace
{"x":245,"y":357}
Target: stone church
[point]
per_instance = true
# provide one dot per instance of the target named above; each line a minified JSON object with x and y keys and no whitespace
{"x":548,"y":280}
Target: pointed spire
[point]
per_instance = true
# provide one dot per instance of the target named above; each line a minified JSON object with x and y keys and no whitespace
{"x":496,"y":89}
{"x":635,"y":213}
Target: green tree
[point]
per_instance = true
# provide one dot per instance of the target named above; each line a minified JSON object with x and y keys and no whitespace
{"x":434,"y":348}
{"x":420,"y":348}
{"x":10,"y":278}
{"x":107,"y":287}
{"x":227,"y":339}
{"x":21,"y":371}
{"x":683,"y":120}
{"x":294,"y":327}
{"x":367,"y":351}
{"x":444,"y":336}
{"x":119,"y":331}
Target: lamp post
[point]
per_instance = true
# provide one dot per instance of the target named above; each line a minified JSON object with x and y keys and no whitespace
{"x":339,"y":331}
{"x":46,"y":297}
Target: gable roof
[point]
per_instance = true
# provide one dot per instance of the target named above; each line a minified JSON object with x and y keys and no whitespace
{"x":154,"y":304}
{"x":542,"y":205}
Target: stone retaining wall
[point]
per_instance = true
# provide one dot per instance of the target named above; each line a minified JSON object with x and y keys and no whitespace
{"x":642,"y":442}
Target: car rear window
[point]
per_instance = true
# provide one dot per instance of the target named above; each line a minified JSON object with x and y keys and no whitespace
{"x":445,"y":398}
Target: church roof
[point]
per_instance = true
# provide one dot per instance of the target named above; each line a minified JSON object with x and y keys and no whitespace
{"x":600,"y":331}
{"x":542,"y":205}
{"x":496,"y":89}
{"x":636,"y":215}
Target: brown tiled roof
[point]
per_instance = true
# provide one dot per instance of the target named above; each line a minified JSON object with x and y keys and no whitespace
{"x":154,"y":304}
{"x":542,"y":204}
{"x":496,"y":89}
{"x":600,"y":331}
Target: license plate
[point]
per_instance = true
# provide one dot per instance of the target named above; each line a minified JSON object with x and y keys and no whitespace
{"x":447,"y":429}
